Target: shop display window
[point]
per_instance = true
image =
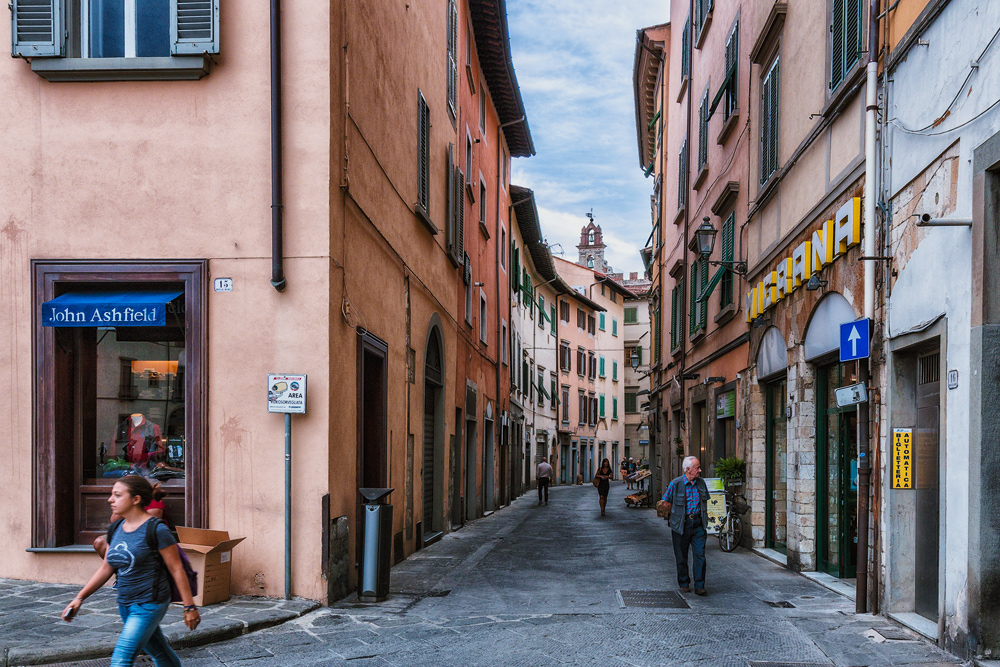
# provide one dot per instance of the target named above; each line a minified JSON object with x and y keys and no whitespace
{"x":118,"y":393}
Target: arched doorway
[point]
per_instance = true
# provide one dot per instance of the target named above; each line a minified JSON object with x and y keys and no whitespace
{"x":433,"y":458}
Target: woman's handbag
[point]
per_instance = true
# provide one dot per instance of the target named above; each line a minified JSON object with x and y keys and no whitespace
{"x":597,"y":482}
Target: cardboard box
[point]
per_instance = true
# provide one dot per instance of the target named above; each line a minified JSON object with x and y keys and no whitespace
{"x":211,"y":556}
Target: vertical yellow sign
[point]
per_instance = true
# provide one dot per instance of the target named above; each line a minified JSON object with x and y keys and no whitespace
{"x":902,"y":458}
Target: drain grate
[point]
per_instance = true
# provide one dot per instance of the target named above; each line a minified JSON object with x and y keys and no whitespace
{"x":141,"y":661}
{"x":895,"y":634}
{"x":651,"y":599}
{"x":781,"y":604}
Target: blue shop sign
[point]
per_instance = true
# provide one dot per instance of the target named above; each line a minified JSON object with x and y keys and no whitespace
{"x":108,"y":309}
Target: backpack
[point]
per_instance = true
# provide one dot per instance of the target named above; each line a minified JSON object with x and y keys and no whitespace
{"x":192,"y":576}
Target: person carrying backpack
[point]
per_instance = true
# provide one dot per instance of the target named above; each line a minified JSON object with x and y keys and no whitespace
{"x":144,"y":576}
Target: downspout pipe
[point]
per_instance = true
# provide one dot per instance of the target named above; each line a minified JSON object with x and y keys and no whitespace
{"x":278,"y":281}
{"x":868,"y":233}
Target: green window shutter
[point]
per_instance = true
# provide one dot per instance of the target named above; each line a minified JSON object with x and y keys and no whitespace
{"x":516,"y":273}
{"x":614,"y":326}
{"x":837,"y":43}
{"x":728,"y":238}
{"x":602,"y":321}
{"x":614,"y":407}
{"x":602,"y":405}
{"x":673,"y":318}
{"x":602,"y":366}
{"x":685,"y":47}
{"x":682,"y":175}
{"x":614,"y":371}
{"x":703,"y":306}
{"x":769,"y":124}
{"x":630,"y":400}
{"x":703,"y":130}
{"x":194,"y":26}
{"x":656,"y":335}
{"x":630,"y":315}
{"x":552,"y":319}
{"x":693,"y":300}
{"x":37,"y":28}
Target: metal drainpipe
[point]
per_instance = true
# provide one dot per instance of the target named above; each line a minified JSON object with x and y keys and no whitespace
{"x":864,"y":463}
{"x":278,"y":281}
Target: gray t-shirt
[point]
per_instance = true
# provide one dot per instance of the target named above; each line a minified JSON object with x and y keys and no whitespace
{"x":136,"y":565}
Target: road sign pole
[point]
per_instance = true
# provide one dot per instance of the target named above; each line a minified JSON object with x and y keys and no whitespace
{"x":864,"y":475}
{"x":288,"y":506}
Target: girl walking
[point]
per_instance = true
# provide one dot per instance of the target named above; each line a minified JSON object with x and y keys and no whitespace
{"x":603,"y":476}
{"x":143,"y":578}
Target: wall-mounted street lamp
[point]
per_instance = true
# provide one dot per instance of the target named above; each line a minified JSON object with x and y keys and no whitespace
{"x":705,"y":236}
{"x":633,"y":360}
{"x":815,"y":283}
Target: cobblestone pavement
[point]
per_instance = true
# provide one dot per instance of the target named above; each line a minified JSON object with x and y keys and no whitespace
{"x":31,"y":631}
{"x":539,"y":585}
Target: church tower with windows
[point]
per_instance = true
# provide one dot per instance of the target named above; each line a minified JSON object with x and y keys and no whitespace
{"x":592,"y":247}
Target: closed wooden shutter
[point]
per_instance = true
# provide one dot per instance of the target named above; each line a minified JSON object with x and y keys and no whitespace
{"x":450,"y":231}
{"x":37,"y":28}
{"x":728,"y":237}
{"x":194,"y":26}
{"x":682,"y":175}
{"x":459,"y":215}
{"x":423,"y":153}
{"x":703,"y":131}
{"x":703,"y":305}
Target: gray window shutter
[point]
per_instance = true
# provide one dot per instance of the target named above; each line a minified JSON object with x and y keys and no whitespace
{"x":37,"y":28}
{"x":194,"y":27}
{"x":459,"y":214}
{"x":423,"y":153}
{"x":450,"y":221}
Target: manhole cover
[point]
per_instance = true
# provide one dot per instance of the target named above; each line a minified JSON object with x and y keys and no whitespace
{"x":651,"y":599}
{"x":781,"y":604}
{"x":895,"y":634}
{"x":141,"y":661}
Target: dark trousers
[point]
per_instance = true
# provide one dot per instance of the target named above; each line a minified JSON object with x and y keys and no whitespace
{"x":543,"y":483}
{"x":693,"y":537}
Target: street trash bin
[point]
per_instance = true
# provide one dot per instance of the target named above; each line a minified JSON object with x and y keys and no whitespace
{"x":376,"y":553}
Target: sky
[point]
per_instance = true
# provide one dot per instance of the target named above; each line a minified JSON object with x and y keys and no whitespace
{"x":573,"y":60}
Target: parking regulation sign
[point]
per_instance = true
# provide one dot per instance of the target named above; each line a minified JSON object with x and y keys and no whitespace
{"x":286,"y":393}
{"x":854,"y":340}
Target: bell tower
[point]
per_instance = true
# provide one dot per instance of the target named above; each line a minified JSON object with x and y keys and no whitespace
{"x":591,"y":248}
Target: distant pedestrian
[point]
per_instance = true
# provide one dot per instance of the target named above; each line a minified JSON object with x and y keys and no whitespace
{"x":631,"y":471}
{"x":623,"y":468}
{"x":143,"y":578}
{"x":543,"y":475}
{"x":686,"y":508}
{"x":603,"y":478}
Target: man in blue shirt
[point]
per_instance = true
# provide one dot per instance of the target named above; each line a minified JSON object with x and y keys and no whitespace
{"x":686,"y":508}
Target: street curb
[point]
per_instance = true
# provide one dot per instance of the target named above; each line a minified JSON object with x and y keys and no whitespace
{"x":18,"y":656}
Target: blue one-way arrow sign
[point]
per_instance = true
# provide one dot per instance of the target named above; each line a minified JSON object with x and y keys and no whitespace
{"x":854,"y":340}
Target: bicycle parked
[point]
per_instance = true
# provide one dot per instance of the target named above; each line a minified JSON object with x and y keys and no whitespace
{"x":731,"y":526}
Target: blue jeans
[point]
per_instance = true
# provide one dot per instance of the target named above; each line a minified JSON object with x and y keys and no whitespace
{"x":693,"y":537}
{"x":142,"y":632}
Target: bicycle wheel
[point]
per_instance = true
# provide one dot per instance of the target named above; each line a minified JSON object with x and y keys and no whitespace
{"x":730,"y":532}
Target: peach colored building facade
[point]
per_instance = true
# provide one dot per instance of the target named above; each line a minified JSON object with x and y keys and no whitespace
{"x":154,"y":175}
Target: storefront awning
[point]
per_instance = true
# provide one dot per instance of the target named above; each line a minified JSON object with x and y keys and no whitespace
{"x":105,"y":309}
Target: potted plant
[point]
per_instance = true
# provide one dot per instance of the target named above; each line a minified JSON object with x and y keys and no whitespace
{"x":731,"y":470}
{"x":680,"y":447}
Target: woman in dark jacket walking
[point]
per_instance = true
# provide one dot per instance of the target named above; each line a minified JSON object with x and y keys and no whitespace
{"x":143,"y":578}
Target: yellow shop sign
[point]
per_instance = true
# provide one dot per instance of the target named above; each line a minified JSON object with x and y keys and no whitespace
{"x":826,"y":244}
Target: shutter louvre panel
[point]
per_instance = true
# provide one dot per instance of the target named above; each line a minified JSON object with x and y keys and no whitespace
{"x":837,"y":44}
{"x":423,"y":156}
{"x":703,"y":306}
{"x":450,"y":232}
{"x":37,"y":28}
{"x":682,"y":175}
{"x":194,"y":26}
{"x":703,"y":131}
{"x":685,"y":47}
{"x":728,"y":238}
{"x":693,"y":306}
{"x":459,"y":215}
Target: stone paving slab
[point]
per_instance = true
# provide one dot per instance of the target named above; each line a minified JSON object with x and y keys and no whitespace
{"x":32,"y":632}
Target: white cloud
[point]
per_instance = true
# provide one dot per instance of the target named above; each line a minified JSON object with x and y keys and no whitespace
{"x":574,"y":66}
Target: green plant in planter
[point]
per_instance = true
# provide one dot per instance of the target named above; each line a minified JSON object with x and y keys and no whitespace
{"x":731,"y":470}
{"x":680,"y":451}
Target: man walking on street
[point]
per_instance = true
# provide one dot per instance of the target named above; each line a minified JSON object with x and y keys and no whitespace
{"x":686,"y":509}
{"x":542,"y":476}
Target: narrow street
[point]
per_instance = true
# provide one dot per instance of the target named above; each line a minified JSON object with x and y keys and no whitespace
{"x":539,"y":585}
